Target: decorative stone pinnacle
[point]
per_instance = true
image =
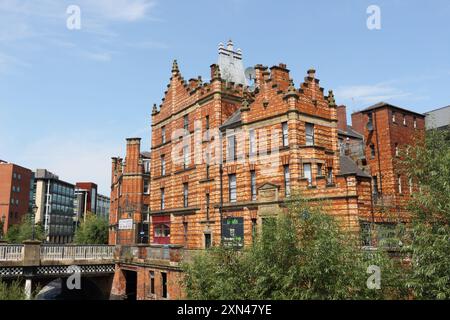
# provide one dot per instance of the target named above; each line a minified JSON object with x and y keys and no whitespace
{"x":291,"y":91}
{"x":331,"y":100}
{"x":216,"y":74}
{"x":175,"y":67}
{"x":155,"y":109}
{"x":245,"y":106}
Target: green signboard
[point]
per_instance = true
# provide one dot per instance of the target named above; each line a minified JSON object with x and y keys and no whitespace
{"x":233,"y":232}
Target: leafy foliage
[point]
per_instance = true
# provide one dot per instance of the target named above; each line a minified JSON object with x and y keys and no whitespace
{"x":301,"y":254}
{"x":13,"y":291}
{"x":93,"y":230}
{"x":428,"y":164}
{"x":24,"y":231}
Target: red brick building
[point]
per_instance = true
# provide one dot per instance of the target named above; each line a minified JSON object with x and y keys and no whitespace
{"x":224,"y":156}
{"x":15,"y":182}
{"x":130,"y":196}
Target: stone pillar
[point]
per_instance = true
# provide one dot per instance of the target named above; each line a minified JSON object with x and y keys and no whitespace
{"x":31,"y":253}
{"x":28,"y":285}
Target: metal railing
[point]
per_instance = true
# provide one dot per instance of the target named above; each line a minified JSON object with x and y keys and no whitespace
{"x":11,"y":252}
{"x":77,"y":252}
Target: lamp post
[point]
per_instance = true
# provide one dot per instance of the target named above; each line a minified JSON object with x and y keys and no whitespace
{"x":33,"y":215}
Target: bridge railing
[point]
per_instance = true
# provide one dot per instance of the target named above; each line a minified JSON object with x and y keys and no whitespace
{"x":11,"y":252}
{"x":77,"y":252}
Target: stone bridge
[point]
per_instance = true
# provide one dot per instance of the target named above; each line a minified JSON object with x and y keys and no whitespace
{"x":39,"y":264}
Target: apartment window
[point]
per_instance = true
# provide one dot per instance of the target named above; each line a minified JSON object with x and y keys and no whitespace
{"x":415,"y":123}
{"x":19,"y":176}
{"x":393,"y":117}
{"x":396,"y":150}
{"x":163,"y":134}
{"x":232,"y":187}
{"x":404,"y":120}
{"x":307,"y":172}
{"x":231,"y":148}
{"x":399,"y":181}
{"x":13,"y":188}
{"x":164,"y":284}
{"x":207,"y":206}
{"x":284,"y":126}
{"x":372,"y":151}
{"x":375,"y":186}
{"x":163,"y":165}
{"x":14,"y":175}
{"x":185,"y":156}
{"x":410,"y":185}
{"x":207,"y":127}
{"x":253,"y":184}
{"x":186,"y":123}
{"x":287,"y":181}
{"x":146,"y":186}
{"x":185,"y":195}
{"x":330,"y":175}
{"x":319,"y":170}
{"x":207,"y":170}
{"x":146,"y":166}
{"x":152,"y":282}
{"x":185,"y":231}
{"x":252,"y":141}
{"x":207,"y":240}
{"x":309,"y":127}
{"x":163,"y":200}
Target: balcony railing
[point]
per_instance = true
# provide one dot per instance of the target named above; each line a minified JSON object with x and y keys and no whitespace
{"x":77,"y":252}
{"x":11,"y":252}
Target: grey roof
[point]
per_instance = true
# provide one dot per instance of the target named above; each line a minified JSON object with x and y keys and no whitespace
{"x":385,"y":104}
{"x":348,"y":166}
{"x":146,"y":154}
{"x":234,"y":119}
{"x":351,"y":133}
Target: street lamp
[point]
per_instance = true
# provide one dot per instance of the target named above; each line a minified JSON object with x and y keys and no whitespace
{"x":33,"y":215}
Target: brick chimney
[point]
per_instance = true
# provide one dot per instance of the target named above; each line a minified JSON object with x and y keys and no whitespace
{"x":342,"y":117}
{"x":280,"y":76}
{"x":133,"y":155}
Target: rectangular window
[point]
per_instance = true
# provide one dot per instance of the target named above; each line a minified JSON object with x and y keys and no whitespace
{"x":163,"y":165}
{"x":372,"y":151}
{"x":207,"y":240}
{"x":404,"y":120}
{"x":186,"y":156}
{"x":252,"y":142}
{"x":319,"y":170}
{"x":396,"y":150}
{"x":415,"y":123}
{"x":207,"y":127}
{"x":330,"y":175}
{"x":146,"y":167}
{"x":164,"y":284}
{"x":186,"y":123}
{"x":163,"y":134}
{"x":163,"y":200}
{"x":287,"y":181}
{"x":207,"y":170}
{"x":146,"y":186}
{"x":185,"y":231}
{"x":152,"y":282}
{"x":253,"y":184}
{"x":284,"y":126}
{"x":393,"y":117}
{"x":185,"y":195}
{"x":375,"y":186}
{"x":399,"y":181}
{"x":231,"y":148}
{"x":232,"y":187}
{"x":309,"y":128}
{"x":307,"y":173}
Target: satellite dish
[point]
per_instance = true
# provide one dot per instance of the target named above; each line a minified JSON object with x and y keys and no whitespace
{"x":250,"y":75}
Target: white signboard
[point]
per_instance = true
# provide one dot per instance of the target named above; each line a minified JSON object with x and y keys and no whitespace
{"x":125,"y":224}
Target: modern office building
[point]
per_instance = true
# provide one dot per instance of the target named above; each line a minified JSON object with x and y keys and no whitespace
{"x":103,"y":204}
{"x":14,"y":194}
{"x":438,"y":118}
{"x":87,"y":199}
{"x":55,"y":206}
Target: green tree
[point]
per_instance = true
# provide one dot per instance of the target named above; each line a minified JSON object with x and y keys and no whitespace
{"x":13,"y":291}
{"x":93,"y":230}
{"x":24,"y":231}
{"x":427,"y":165}
{"x":301,"y":254}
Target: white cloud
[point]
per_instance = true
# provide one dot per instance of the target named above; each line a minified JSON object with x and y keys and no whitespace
{"x":366,"y":94}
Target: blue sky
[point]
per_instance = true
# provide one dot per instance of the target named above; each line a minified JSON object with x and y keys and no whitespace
{"x":69,"y":98}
